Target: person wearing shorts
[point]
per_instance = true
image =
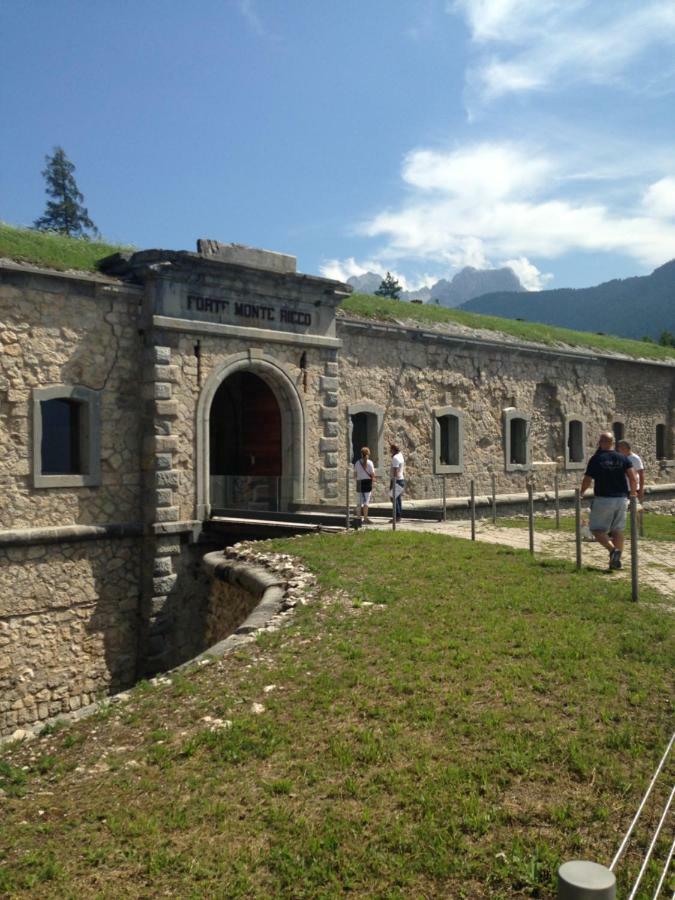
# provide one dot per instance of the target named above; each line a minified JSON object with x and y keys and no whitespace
{"x":613,"y":480}
{"x":397,"y":479}
{"x":364,"y":472}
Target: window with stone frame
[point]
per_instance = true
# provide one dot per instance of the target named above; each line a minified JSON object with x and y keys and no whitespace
{"x":517,"y":451}
{"x":575,"y":443}
{"x":366,"y":426}
{"x":66,"y":437}
{"x":448,"y":425}
{"x":661,"y":443}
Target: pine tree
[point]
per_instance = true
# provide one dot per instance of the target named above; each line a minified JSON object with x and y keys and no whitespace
{"x":65,"y":213}
{"x":389,"y":287}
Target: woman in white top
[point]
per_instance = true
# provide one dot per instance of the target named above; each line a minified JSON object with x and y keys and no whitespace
{"x":364,"y":472}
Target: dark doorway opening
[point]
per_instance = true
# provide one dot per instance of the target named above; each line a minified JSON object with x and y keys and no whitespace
{"x":245,"y":434}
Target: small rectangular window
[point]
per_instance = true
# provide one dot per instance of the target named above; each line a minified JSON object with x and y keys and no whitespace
{"x":661,"y":452}
{"x":618,"y":430}
{"x":518,"y":442}
{"x":449,"y":449}
{"x":62,"y":437}
{"x":575,"y":441}
{"x":66,"y":437}
{"x":364,"y":434}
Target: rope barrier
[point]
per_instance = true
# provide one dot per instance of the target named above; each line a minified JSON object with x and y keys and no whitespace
{"x":650,"y":849}
{"x":665,"y":871}
{"x":641,"y":806}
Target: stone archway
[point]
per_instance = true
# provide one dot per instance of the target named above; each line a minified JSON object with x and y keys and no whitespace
{"x":291,"y":417}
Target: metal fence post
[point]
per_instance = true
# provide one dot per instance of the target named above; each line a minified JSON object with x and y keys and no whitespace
{"x":584,"y":880}
{"x":349,"y":472}
{"x":494,"y":499}
{"x":556,"y":488}
{"x":445,"y":499}
{"x":530,"y":514}
{"x":393,"y":504}
{"x":577,"y":524}
{"x":635,"y":587}
{"x":473,"y":510}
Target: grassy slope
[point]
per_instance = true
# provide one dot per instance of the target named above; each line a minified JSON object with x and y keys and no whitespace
{"x":492,"y":717}
{"x":53,"y":251}
{"x":58,"y":252}
{"x":386,"y":309}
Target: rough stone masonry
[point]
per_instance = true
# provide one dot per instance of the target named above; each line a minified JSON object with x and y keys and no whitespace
{"x":135,"y":403}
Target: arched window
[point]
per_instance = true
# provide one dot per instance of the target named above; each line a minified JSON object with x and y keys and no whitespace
{"x":448,"y":441}
{"x":66,"y":437}
{"x":516,"y":440}
{"x":618,"y":430}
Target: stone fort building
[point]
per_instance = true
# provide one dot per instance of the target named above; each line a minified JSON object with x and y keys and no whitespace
{"x":134,"y":404}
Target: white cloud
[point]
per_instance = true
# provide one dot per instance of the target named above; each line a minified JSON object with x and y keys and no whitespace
{"x":342,"y":269}
{"x":659,"y":198}
{"x":484,"y":171}
{"x":529,"y":275}
{"x":524,"y":45}
{"x":451,"y":217}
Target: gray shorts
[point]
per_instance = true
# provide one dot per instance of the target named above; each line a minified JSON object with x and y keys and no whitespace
{"x":608,"y":514}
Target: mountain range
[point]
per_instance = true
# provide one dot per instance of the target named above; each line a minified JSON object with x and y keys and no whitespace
{"x":465,"y":285}
{"x":629,"y":307}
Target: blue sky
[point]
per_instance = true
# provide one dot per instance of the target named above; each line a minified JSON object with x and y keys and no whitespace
{"x":411,"y":135}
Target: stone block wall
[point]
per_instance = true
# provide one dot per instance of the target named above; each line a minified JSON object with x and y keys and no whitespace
{"x":69,"y":330}
{"x":68,"y":626}
{"x":409,"y":375}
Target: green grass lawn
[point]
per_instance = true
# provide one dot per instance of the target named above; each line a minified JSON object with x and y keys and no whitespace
{"x":386,"y":309}
{"x":488,"y":717}
{"x":54,"y":251}
{"x":656,"y":527}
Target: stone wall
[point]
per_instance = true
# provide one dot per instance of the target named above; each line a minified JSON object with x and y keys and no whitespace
{"x":69,"y":330}
{"x":82,"y":617}
{"x":408,"y":375}
{"x":68,"y":626}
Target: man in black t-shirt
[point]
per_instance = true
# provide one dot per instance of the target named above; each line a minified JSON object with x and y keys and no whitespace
{"x":608,"y":471}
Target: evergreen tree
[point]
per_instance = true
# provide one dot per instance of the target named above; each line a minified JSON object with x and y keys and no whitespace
{"x":64,"y":213}
{"x":389,"y":287}
{"x":667,"y":339}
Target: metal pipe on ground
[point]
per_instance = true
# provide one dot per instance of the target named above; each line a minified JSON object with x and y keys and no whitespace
{"x":580,"y":879}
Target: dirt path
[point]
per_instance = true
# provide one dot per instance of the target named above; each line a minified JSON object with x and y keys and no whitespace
{"x":657,"y":558}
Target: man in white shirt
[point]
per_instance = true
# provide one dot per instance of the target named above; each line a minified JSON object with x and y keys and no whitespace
{"x":397,"y":472}
{"x":639,"y":469}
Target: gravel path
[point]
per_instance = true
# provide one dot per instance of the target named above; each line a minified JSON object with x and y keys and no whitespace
{"x":657,"y":558}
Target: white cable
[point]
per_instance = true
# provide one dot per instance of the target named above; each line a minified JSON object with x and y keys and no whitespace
{"x":652,"y":845}
{"x":665,"y":871}
{"x":644,"y":800}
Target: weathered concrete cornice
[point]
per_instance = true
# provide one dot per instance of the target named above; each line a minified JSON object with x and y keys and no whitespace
{"x":156,"y":263}
{"x":194,"y":326}
{"x":407,"y":332}
{"x":28,"y":275}
{"x":69,"y":533}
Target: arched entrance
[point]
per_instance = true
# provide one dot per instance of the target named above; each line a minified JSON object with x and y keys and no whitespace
{"x":245,"y":448}
{"x":250,"y":438}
